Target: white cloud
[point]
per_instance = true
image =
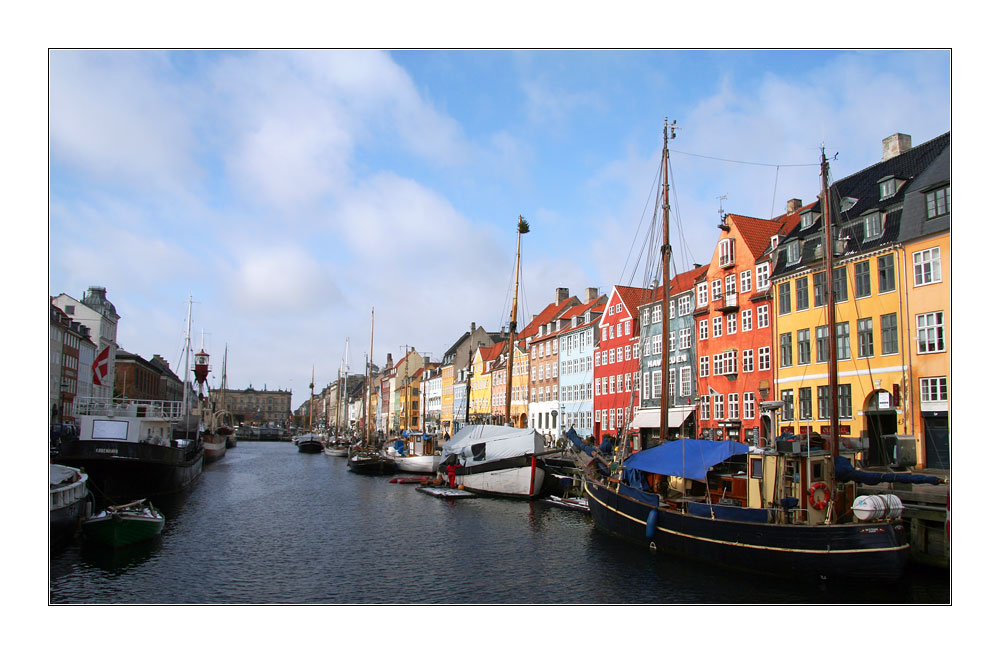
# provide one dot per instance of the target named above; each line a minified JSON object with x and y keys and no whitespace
{"x":279,"y":279}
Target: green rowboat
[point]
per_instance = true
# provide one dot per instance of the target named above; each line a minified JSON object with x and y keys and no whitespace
{"x":125,"y":524}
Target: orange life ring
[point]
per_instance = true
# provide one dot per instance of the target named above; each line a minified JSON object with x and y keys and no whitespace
{"x":819,"y":504}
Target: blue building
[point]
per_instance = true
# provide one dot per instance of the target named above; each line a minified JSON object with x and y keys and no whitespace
{"x":577,"y":342}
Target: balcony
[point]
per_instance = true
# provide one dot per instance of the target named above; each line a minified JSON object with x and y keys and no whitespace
{"x":729,"y":303}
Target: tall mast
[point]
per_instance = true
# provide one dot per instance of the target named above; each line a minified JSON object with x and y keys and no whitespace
{"x":187,"y":366}
{"x":668,"y":133}
{"x":831,"y":316}
{"x":522,"y":228}
{"x":371,"y":345}
{"x":336,"y":414}
{"x":347,"y":373}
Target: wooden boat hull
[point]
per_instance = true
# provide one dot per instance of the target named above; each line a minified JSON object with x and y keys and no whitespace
{"x":520,"y":477}
{"x":215,"y":447}
{"x":866,"y":551}
{"x":371,"y":465}
{"x":121,"y":471}
{"x":69,"y":504}
{"x":335,"y":451}
{"x":421,"y":463}
{"x":120,"y":530}
{"x":310,"y":446}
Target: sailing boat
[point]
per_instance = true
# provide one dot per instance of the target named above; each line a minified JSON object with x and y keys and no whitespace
{"x":368,"y":458}
{"x":494,"y":459}
{"x":774,"y":521}
{"x":337,"y":442}
{"x":310,"y":442}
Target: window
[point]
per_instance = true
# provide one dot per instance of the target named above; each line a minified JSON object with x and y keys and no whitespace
{"x":657,"y":312}
{"x":930,"y":332}
{"x":702,"y":294}
{"x":890,"y":339}
{"x":805,"y":403}
{"x":685,"y":339}
{"x":939,"y":202}
{"x":872,"y":225}
{"x":823,"y":402}
{"x":618,"y":379}
{"x":619,"y":359}
{"x":657,"y":385}
{"x":819,"y":289}
{"x":886,"y":274}
{"x":703,"y":366}
{"x":673,"y":341}
{"x":672,"y":383}
{"x":804,"y":338}
{"x":734,"y":406}
{"x":787,"y":406}
{"x":706,"y":407}
{"x":927,"y":266}
{"x":746,"y":281}
{"x":886,"y":188}
{"x":763,"y":276}
{"x":749,"y":406}
{"x":703,"y":329}
{"x":862,"y":279}
{"x":764,"y":358}
{"x":628,"y":352}
{"x":784,"y":298}
{"x":730,"y":284}
{"x":822,"y":343}
{"x":619,"y":330}
{"x":716,"y":289}
{"x":762,"y":316}
{"x":843,"y":400}
{"x":840,"y":284}
{"x":645,"y":385}
{"x":724,"y":363}
{"x":748,"y":360}
{"x":785,"y":349}
{"x":720,"y":407}
{"x":843,"y":331}
{"x":645,"y":317}
{"x":933,"y":389}
{"x":801,"y":293}
{"x":726,"y":252}
{"x":747,"y":319}
{"x":683,"y":305}
{"x":635,"y":350}
{"x":658,"y":344}
{"x":716,"y":326}
{"x":866,"y":338}
{"x":731,"y":323}
{"x":793,"y":252}
{"x":685,"y":382}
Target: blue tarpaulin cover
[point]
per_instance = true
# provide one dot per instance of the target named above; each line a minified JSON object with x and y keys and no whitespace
{"x":846,"y":472}
{"x":686,"y":457}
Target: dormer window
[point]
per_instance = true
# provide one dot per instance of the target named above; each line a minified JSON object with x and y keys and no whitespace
{"x":726,"y":253}
{"x":793,"y":252}
{"x":774,"y":241}
{"x":807,"y":221}
{"x":872,"y":225}
{"x":887,"y":187}
{"x":938,"y":204}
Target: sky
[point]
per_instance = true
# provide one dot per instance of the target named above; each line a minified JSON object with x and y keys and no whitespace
{"x":290,"y":193}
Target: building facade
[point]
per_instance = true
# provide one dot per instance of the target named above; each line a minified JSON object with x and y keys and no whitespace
{"x":616,"y":362}
{"x":577,"y":342}
{"x":98,"y":314}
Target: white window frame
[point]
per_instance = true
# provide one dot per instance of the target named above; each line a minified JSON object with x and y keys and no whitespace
{"x":702,"y":291}
{"x":716,"y":326}
{"x":927,"y":266}
{"x":746,"y":281}
{"x":749,"y":406}
{"x":763,"y":276}
{"x":716,"y":289}
{"x":747,"y":317}
{"x":763,"y":316}
{"x":930,"y":330}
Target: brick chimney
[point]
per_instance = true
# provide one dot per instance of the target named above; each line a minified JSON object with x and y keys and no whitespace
{"x":792,"y":206}
{"x":895,"y":145}
{"x":591,"y":295}
{"x":562,"y":294}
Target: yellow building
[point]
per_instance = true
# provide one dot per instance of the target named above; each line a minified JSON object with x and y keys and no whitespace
{"x":870,"y":288}
{"x":519,"y":383}
{"x":447,"y":397}
{"x":481,"y":387}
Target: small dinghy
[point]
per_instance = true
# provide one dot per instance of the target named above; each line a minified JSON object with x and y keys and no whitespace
{"x":124,"y":524}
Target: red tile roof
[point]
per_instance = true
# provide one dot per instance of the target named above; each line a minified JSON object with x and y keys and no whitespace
{"x":632,"y":297}
{"x":547,"y":315}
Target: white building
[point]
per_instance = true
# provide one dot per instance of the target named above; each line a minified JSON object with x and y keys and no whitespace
{"x":96,"y":313}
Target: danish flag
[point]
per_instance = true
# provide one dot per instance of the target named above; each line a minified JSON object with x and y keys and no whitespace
{"x":100,"y":365}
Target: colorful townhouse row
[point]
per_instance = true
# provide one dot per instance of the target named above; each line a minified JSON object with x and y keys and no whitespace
{"x":747,"y":327}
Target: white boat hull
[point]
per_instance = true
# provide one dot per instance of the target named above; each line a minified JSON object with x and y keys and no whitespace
{"x":426,"y":463}
{"x":511,"y":482}
{"x":335,"y":451}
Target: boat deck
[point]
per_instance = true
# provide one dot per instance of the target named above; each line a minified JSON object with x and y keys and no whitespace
{"x":445,"y":493}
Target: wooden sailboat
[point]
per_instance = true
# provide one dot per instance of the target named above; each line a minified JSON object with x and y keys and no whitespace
{"x":757,"y":510}
{"x":310,"y":442}
{"x":337,"y":441}
{"x":495,"y":459}
{"x":368,"y":458}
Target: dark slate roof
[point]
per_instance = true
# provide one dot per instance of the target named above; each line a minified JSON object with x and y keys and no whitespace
{"x":914,"y":222}
{"x":864,"y":187}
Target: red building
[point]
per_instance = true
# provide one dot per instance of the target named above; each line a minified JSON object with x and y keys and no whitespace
{"x":733,"y":327}
{"x":616,"y":361}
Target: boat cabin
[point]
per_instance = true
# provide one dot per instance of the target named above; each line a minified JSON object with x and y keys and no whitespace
{"x":127,"y":421}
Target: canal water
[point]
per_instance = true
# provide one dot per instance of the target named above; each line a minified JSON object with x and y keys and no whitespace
{"x":269,"y":525}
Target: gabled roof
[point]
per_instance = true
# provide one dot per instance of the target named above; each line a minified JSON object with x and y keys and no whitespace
{"x":681,"y":283}
{"x":632,"y":297}
{"x":757,"y":232}
{"x":547,"y":315}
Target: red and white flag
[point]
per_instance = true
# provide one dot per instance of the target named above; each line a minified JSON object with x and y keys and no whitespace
{"x":100,"y":366}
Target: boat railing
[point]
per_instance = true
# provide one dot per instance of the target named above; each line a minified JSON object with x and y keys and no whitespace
{"x":127,"y":408}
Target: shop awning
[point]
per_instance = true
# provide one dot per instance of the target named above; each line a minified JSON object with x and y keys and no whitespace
{"x":650,"y":418}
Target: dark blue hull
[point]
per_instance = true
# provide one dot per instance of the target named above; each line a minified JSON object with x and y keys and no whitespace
{"x":869,"y":551}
